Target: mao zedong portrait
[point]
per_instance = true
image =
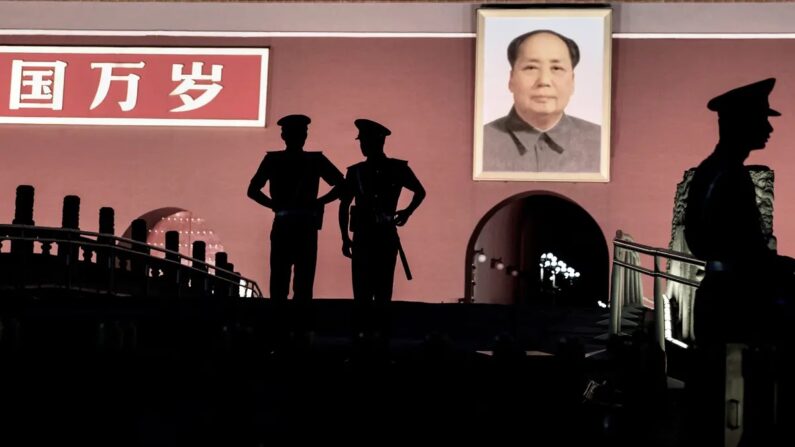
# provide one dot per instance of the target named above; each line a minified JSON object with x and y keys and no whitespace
{"x":537,"y":135}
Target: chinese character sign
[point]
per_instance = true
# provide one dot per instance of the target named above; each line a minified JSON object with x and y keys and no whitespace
{"x":133,"y":86}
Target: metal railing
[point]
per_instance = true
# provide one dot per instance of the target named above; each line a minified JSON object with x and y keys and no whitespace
{"x":104,"y":260}
{"x":620,"y":268}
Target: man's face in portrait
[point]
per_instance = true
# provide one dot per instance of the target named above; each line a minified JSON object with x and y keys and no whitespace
{"x":542,"y":79}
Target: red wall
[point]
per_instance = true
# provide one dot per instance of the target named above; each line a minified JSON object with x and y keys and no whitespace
{"x":501,"y":237}
{"x":423,"y":90}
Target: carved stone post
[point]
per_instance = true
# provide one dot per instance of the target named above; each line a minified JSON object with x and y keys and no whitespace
{"x":138,"y":233}
{"x":221,"y":259}
{"x":199,"y":279}
{"x":106,"y":231}
{"x":23,"y":215}
{"x":70,"y":220}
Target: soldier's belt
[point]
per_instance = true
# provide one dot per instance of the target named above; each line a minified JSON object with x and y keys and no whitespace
{"x":298,"y":212}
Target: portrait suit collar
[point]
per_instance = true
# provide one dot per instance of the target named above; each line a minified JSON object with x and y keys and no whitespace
{"x":526,"y":136}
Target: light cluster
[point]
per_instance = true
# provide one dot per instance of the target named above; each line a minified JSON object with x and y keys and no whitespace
{"x":552,"y":267}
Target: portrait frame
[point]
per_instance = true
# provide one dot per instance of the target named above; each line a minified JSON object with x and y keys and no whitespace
{"x":591,"y":29}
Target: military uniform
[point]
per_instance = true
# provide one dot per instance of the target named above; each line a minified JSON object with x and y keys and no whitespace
{"x":294,"y":178}
{"x":747,"y":292}
{"x":723,"y":227}
{"x":374,"y":186}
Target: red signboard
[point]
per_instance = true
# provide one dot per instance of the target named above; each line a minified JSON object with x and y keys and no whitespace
{"x":133,"y":86}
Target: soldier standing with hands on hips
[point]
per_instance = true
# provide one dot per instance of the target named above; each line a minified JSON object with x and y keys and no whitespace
{"x":374,"y":186}
{"x":294,"y":176}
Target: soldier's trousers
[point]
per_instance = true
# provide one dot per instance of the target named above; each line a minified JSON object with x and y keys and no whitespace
{"x":373,"y":273}
{"x":293,"y":253}
{"x":293,"y":250}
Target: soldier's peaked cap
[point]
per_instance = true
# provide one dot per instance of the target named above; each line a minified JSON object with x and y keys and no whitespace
{"x":294,"y":121}
{"x":371,"y":128}
{"x":746,"y":100}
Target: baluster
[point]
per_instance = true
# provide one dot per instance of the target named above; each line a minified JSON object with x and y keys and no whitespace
{"x":106,"y":231}
{"x":106,"y":255}
{"x":199,"y":278}
{"x":23,"y":215}
{"x":221,"y":259}
{"x":138,"y":233}
{"x":23,"y":211}
{"x":22,"y":250}
{"x":231,"y":289}
{"x":199,"y":253}
{"x":46,"y":247}
{"x":69,"y":249}
{"x":70,"y":217}
{"x":172,"y":244}
{"x":171,"y":271}
{"x":70,"y":220}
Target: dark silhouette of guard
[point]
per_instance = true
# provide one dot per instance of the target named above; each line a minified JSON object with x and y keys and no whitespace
{"x":745,"y":278}
{"x":294,"y":176}
{"x":374,"y":187}
{"x":746,"y":295}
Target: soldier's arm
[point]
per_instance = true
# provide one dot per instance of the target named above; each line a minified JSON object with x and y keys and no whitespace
{"x":413,"y":184}
{"x":258,"y":182}
{"x":331,"y":175}
{"x":345,"y":203}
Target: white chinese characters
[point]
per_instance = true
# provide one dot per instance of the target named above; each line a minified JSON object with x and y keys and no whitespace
{"x":36,"y":85}
{"x":105,"y":78}
{"x":210,"y":91}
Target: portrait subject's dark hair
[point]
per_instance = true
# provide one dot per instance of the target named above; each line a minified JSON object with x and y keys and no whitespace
{"x":513,"y":47}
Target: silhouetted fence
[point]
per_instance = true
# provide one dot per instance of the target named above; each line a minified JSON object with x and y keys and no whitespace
{"x":39,"y":259}
{"x":622,"y":269}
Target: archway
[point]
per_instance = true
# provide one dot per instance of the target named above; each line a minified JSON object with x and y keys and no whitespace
{"x":506,"y":246}
{"x":190,"y":227}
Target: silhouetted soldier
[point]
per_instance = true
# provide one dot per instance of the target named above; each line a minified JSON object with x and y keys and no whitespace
{"x":375,"y":185}
{"x":723,"y":224}
{"x":294,"y":177}
{"x":746,"y":294}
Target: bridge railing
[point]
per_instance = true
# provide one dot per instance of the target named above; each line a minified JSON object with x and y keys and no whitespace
{"x":34,"y":257}
{"x":661,"y":306}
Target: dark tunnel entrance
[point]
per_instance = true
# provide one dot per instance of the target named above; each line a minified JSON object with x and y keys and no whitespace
{"x":508,"y":256}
